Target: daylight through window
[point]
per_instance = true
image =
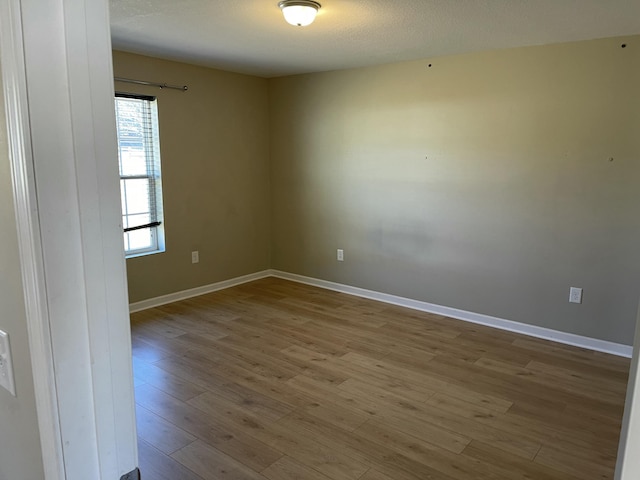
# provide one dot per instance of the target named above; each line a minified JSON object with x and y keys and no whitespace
{"x":140,"y":185}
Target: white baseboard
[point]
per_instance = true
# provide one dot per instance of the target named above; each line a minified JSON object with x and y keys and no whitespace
{"x":195,"y":292}
{"x":502,"y":324}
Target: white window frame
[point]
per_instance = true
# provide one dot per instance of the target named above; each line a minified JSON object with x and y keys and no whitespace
{"x":154,"y":176}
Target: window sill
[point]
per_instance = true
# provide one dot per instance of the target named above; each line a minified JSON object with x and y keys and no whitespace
{"x":143,"y":254}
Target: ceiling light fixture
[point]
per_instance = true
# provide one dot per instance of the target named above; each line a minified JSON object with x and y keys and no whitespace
{"x":299,"y":13}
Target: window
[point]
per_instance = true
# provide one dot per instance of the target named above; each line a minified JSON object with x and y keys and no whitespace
{"x":140,"y":184}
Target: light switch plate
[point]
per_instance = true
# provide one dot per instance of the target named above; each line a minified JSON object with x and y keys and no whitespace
{"x":6,"y":367}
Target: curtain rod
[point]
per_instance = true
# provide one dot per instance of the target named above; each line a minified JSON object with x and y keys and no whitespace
{"x":184,"y":88}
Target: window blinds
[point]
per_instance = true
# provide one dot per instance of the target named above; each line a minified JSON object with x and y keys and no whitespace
{"x":139,"y":163}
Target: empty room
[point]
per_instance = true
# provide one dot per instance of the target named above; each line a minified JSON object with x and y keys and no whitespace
{"x":362,"y":241}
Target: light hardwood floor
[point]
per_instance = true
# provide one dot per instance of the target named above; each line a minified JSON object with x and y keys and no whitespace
{"x":281,"y":381}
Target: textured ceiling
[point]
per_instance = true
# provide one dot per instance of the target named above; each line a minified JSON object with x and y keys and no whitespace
{"x":251,"y":36}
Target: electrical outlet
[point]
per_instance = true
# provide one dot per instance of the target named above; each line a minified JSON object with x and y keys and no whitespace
{"x":340,"y":255}
{"x":6,"y":369}
{"x":575,"y":295}
{"x":195,"y":257}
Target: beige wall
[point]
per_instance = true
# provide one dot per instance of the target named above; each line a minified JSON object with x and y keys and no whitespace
{"x":215,"y":163}
{"x":20,"y":454}
{"x":482,"y":183}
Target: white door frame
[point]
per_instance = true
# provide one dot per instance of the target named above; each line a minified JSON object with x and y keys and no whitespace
{"x":628,"y":464}
{"x":58,"y":86}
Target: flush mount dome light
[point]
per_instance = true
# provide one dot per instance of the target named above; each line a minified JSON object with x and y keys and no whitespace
{"x":299,"y":13}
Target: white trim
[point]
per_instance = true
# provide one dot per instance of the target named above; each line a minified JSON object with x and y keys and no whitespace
{"x":69,"y":226}
{"x":478,"y":318}
{"x":195,"y":292}
{"x":89,"y":69}
{"x":628,"y":462}
{"x":28,"y":226}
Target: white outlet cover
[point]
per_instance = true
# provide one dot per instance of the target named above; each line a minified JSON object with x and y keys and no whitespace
{"x":575,"y":295}
{"x":6,"y":366}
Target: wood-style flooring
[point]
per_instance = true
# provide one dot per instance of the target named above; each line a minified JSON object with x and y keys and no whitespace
{"x":282,"y":381}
